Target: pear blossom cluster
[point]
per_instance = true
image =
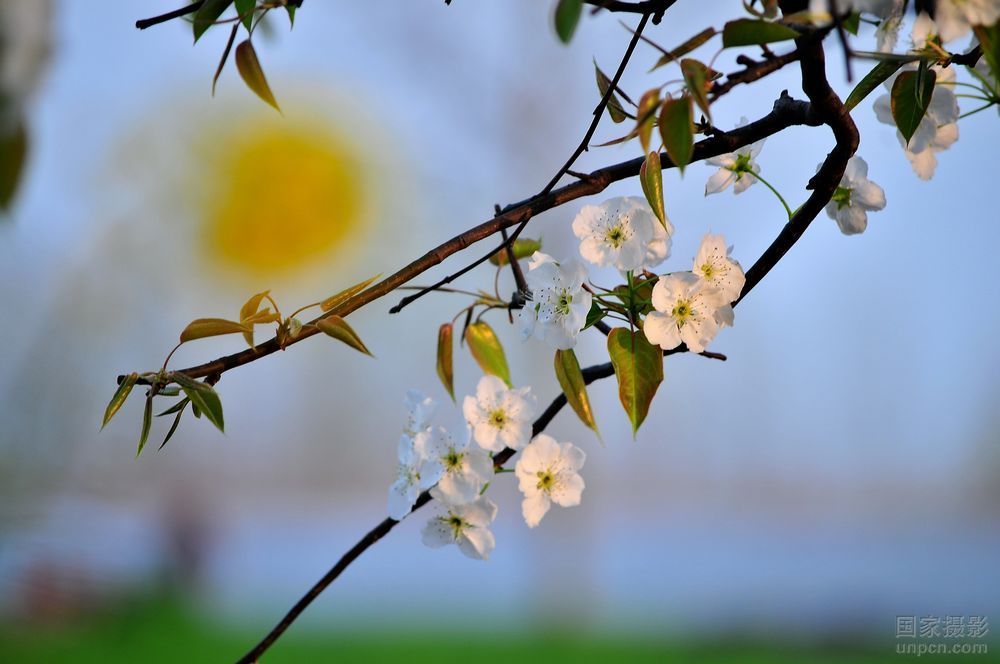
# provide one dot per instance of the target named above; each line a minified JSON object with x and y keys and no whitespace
{"x":938,"y":128}
{"x":691,"y":307}
{"x":952,"y":20}
{"x":458,"y":468}
{"x":687,"y":307}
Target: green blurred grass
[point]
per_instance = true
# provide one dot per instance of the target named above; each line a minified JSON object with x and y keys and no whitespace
{"x":163,"y":631}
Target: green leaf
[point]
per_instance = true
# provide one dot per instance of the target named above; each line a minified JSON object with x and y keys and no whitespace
{"x":211,"y":327}
{"x":147,"y":423}
{"x":445,"y":348}
{"x":245,"y":9}
{"x":208,"y":14}
{"x":522,"y":249}
{"x":989,"y":40}
{"x":696,"y":78}
{"x":177,"y":407}
{"x":203,"y":398}
{"x":879,"y":73}
{"x":901,"y":58}
{"x":343,"y":296}
{"x":571,"y":380}
{"x":225,"y":56}
{"x":121,"y":394}
{"x":614,"y":106}
{"x":567,"y":17}
{"x":852,"y":23}
{"x":639,"y":368}
{"x":13,"y":150}
{"x":337,"y":327}
{"x":909,"y":99}
{"x":177,"y":420}
{"x":595,"y":315}
{"x":487,"y":351}
{"x":250,"y":70}
{"x":651,"y":178}
{"x":747,"y":32}
{"x":686,"y":47}
{"x":641,"y":300}
{"x":291,"y":14}
{"x":677,"y":130}
{"x":646,"y":116}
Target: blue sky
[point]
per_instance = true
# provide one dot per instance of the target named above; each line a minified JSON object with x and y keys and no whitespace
{"x":856,"y":410}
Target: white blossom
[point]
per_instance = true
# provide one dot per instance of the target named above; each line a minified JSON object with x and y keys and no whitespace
{"x":686,"y":310}
{"x":622,"y":232}
{"x":546,"y":474}
{"x":982,"y":68}
{"x":854,"y":198}
{"x":559,"y":305}
{"x":717,"y":268}
{"x":735,"y":168}
{"x":419,"y":411}
{"x":404,"y":491}
{"x":500,"y":417}
{"x":458,"y":468}
{"x":465,"y":525}
{"x":877,"y":7}
{"x":955,"y":18}
{"x":924,"y":29}
{"x":887,"y":32}
{"x":937,"y":130}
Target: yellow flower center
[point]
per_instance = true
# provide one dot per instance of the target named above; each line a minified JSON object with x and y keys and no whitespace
{"x":497,"y":418}
{"x":456,"y":524}
{"x":546,"y":480}
{"x":453,"y":460}
{"x":616,"y":236}
{"x":682,"y":312}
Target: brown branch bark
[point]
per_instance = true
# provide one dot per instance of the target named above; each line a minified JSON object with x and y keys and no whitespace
{"x":827,"y":108}
{"x":584,"y":145}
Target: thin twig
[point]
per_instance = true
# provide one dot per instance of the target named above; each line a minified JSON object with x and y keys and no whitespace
{"x":144,"y":23}
{"x":599,"y":109}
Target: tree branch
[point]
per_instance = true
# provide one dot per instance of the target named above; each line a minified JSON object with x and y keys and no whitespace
{"x":653,"y":7}
{"x":787,"y":112}
{"x":825,"y":108}
{"x":144,"y":23}
{"x":599,"y":110}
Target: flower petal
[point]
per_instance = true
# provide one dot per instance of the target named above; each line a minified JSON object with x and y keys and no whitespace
{"x":476,"y":543}
{"x":533,"y":508}
{"x":437,"y":533}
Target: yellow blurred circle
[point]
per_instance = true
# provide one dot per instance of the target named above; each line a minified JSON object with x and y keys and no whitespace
{"x":281,"y":194}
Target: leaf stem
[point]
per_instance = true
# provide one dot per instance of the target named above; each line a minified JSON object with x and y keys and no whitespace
{"x":767,"y":184}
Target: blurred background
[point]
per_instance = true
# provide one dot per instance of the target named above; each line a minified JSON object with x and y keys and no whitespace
{"x":841,"y":469}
